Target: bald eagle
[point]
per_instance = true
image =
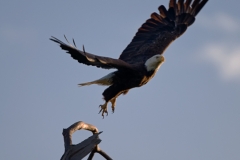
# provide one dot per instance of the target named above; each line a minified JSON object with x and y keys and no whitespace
{"x":141,"y":59}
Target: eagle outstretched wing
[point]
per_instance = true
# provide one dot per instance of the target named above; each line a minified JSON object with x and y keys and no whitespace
{"x":156,"y":34}
{"x":91,"y":59}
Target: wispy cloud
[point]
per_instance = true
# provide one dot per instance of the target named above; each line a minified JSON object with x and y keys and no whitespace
{"x":226,"y":59}
{"x":220,"y":21}
{"x":222,"y":50}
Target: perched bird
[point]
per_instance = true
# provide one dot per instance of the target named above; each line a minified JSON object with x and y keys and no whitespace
{"x":141,"y":59}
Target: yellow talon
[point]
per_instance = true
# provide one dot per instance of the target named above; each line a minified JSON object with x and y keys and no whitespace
{"x":113,"y":101}
{"x":103,"y":109}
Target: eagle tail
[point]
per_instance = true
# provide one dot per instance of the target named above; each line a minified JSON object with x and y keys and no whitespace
{"x":104,"y":81}
{"x":88,"y":83}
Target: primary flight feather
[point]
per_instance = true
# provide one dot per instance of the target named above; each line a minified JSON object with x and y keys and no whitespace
{"x":141,"y":59}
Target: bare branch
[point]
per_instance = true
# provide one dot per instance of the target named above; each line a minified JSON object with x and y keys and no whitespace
{"x":79,"y":151}
{"x":67,"y":133}
{"x":101,"y":152}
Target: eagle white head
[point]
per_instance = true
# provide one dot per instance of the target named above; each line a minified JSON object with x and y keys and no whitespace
{"x":154,"y":63}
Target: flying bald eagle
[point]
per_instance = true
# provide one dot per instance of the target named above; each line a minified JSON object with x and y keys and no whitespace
{"x":141,"y":59}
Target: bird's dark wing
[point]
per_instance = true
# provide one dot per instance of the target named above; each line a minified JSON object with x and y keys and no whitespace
{"x":155,"y":35}
{"x":91,"y":59}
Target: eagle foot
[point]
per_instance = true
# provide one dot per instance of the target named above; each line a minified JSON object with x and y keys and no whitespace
{"x":113,"y":101}
{"x":103,"y":109}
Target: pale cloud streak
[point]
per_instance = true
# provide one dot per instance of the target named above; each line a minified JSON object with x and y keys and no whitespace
{"x":223,"y":50}
{"x":226,"y":59}
{"x":220,"y":21}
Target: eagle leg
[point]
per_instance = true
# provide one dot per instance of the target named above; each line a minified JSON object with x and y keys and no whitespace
{"x":113,"y":101}
{"x":103,"y":109}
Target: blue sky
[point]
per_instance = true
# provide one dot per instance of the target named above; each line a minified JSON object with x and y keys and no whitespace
{"x":189,"y":110}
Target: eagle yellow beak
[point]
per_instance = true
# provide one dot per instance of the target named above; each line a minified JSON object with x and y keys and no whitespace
{"x":161,"y":58}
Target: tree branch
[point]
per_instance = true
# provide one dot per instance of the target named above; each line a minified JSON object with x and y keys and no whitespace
{"x":67,"y":133}
{"x":101,"y":152}
{"x":79,"y":151}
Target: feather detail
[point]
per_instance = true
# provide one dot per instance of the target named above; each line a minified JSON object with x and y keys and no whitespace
{"x":180,"y":7}
{"x":91,"y":59}
{"x":163,"y":11}
{"x":187,"y":5}
{"x":154,"y":36}
{"x":200,"y":6}
{"x":172,"y":4}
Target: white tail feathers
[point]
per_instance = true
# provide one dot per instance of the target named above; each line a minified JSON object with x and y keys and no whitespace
{"x":86,"y":84}
{"x":104,"y":81}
